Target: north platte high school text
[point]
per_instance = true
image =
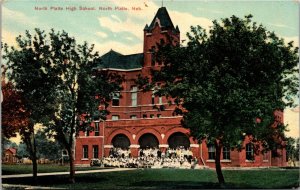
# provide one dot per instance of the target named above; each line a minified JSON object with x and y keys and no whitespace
{"x":138,"y":120}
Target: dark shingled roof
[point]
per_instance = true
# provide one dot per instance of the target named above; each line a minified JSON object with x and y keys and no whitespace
{"x":165,"y":20}
{"x":116,"y":60}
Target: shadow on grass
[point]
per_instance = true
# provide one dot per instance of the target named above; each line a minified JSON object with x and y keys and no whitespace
{"x":183,"y":185}
{"x":52,"y":180}
{"x":90,"y":182}
{"x":197,"y":185}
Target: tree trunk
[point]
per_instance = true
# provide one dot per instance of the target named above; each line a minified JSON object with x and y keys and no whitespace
{"x":34,"y":160}
{"x":70,"y":150}
{"x":31,"y":146}
{"x":218,"y":146}
{"x":72,"y":165}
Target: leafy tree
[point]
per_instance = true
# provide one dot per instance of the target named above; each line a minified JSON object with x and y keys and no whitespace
{"x":62,"y":88}
{"x":297,"y":152}
{"x":292,"y":149}
{"x":22,"y":151}
{"x":47,"y":148}
{"x":14,"y":117}
{"x":28,"y":64}
{"x":228,"y":82}
{"x":80,"y":90}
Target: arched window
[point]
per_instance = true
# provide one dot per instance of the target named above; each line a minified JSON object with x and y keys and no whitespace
{"x":148,"y":140}
{"x":121,"y":141}
{"x":178,"y":140}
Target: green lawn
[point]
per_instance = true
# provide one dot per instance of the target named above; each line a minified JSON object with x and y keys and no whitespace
{"x":172,"y":179}
{"x":42,"y":168}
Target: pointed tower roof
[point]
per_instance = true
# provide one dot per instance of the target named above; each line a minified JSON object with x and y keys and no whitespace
{"x":164,"y":19}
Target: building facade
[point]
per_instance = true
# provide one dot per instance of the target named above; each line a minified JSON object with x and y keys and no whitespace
{"x":9,"y":156}
{"x":139,"y":120}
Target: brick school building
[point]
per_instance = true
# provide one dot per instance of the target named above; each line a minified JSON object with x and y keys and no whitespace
{"x":140,"y":120}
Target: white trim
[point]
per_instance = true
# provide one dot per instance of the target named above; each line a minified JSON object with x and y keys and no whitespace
{"x":88,"y":137}
{"x":84,"y":159}
{"x":148,"y":34}
{"x":108,"y":146}
{"x":265,"y":160}
{"x":142,"y":111}
{"x":250,"y":161}
{"x":126,"y":70}
{"x":226,"y":161}
{"x":194,"y":145}
{"x":172,"y":117}
{"x":141,"y":105}
{"x":163,"y":146}
{"x":210,"y":160}
{"x":134,"y":146}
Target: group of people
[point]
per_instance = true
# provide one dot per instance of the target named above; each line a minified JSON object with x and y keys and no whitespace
{"x":179,"y":157}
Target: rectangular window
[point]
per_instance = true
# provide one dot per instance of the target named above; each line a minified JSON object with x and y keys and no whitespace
{"x":249,"y":151}
{"x":116,"y":99}
{"x":211,"y":152}
{"x":152,"y":51}
{"x":158,"y":86}
{"x":95,"y":151}
{"x":115,"y":117}
{"x":265,"y":156}
{"x":158,"y":115}
{"x":134,"y":96}
{"x":153,"y":98}
{"x":133,"y":117}
{"x":226,"y":153}
{"x":87,"y":132}
{"x":160,"y":100}
{"x":85,"y":150}
{"x":144,"y":115}
{"x":96,"y":128}
{"x":151,"y":115}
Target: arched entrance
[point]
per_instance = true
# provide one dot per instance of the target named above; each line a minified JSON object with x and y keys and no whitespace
{"x":148,"y":140}
{"x":121,"y":141}
{"x":178,"y":139}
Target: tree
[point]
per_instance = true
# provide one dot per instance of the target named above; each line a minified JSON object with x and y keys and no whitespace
{"x":229,"y":81}
{"x":47,"y":148}
{"x":292,"y":149}
{"x":28,"y":66}
{"x":22,"y":151}
{"x":14,"y":116}
{"x":80,"y":90}
{"x":63,"y":89}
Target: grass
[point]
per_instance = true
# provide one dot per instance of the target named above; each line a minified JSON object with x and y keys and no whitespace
{"x":172,"y":179}
{"x":42,"y":168}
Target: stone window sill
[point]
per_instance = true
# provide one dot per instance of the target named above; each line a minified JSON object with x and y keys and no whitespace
{"x":225,"y":161}
{"x":210,"y":160}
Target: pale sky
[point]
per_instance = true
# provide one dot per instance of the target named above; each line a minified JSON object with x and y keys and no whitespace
{"x":122,"y":30}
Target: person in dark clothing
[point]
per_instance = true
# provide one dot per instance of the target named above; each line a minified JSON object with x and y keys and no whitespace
{"x":141,"y":153}
{"x":159,"y":153}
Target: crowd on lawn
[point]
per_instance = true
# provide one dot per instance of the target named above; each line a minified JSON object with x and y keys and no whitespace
{"x":179,"y":157}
